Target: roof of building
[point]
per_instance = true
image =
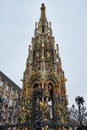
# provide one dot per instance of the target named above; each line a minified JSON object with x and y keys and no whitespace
{"x":10,"y":82}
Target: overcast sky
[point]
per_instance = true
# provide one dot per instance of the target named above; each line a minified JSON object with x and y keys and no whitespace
{"x":69,"y":25}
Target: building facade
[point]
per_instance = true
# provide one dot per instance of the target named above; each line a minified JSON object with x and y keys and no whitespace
{"x":9,"y":91}
{"x":43,"y":92}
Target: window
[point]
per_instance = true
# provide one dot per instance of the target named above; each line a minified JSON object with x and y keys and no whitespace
{"x":34,"y":56}
{"x":1,"y":94}
{"x":17,"y":96}
{"x":6,"y":98}
{"x":42,"y":28}
{"x":1,"y":83}
{"x":11,"y":102}
{"x":7,"y":87}
{"x":52,"y":56}
{"x":13,"y":92}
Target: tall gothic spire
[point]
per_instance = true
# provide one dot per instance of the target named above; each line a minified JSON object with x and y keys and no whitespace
{"x":44,"y":89}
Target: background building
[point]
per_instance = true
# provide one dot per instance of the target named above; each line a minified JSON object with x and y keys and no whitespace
{"x":9,"y":91}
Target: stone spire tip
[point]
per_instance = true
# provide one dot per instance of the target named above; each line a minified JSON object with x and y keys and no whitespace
{"x":42,"y":6}
{"x":43,"y":15}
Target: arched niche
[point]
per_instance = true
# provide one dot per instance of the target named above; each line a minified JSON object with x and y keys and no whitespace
{"x":51,"y":99}
{"x":36,"y":99}
{"x":51,"y":91}
{"x":50,"y":83}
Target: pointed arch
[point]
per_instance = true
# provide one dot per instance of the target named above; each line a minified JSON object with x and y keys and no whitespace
{"x":35,"y":83}
{"x":51,"y":81}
